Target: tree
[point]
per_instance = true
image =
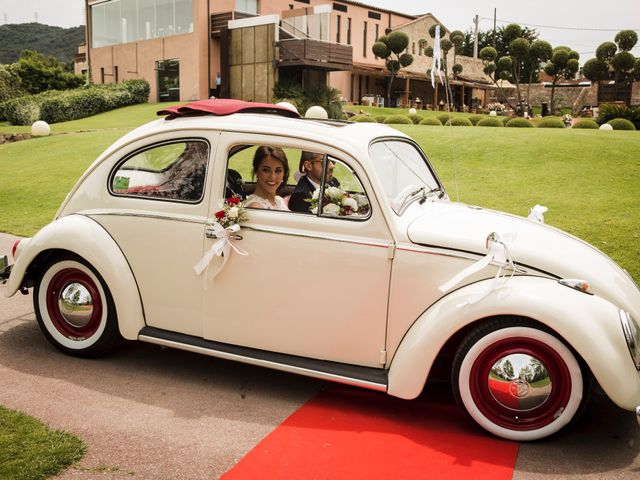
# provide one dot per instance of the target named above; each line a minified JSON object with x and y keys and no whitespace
{"x":390,"y":48}
{"x":520,"y":60}
{"x":39,"y":72}
{"x":615,"y":60}
{"x":563,"y":65}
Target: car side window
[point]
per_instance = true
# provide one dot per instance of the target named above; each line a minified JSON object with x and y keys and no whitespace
{"x":343,"y":194}
{"x":170,"y":171}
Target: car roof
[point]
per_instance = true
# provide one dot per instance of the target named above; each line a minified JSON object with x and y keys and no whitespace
{"x":344,"y":135}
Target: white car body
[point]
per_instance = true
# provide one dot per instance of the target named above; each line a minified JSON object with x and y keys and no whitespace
{"x":383,"y":321}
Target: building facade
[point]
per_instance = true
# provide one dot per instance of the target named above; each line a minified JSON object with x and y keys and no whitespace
{"x":193,"y":49}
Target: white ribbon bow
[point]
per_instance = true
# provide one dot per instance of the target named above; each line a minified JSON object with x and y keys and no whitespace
{"x":222,"y":248}
{"x":436,"y":64}
{"x":498,"y":253}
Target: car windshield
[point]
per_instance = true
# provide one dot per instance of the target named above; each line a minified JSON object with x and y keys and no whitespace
{"x":404,"y":172}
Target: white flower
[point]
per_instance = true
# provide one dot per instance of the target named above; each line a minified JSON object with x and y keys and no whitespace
{"x":316,"y":193}
{"x":314,"y":210}
{"x":331,"y":209}
{"x":362,"y":200}
{"x":233,"y":212}
{"x":334,"y":194}
{"x":350,"y":202}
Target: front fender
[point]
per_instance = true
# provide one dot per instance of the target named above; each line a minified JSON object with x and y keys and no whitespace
{"x":85,"y":237}
{"x":590,"y":324}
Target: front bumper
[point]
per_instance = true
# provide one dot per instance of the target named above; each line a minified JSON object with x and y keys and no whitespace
{"x":5,"y":269}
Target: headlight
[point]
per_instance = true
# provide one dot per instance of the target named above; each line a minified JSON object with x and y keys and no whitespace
{"x":631,"y":335}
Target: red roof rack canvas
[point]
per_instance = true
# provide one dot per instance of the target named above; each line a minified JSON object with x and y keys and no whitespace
{"x":224,"y":106}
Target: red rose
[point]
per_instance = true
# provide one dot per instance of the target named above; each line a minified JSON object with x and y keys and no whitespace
{"x":233,"y":200}
{"x":220,"y":215}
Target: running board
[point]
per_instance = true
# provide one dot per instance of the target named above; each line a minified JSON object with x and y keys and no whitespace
{"x":371,"y":378}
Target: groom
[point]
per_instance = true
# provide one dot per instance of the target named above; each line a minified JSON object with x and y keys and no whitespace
{"x":311,"y":166}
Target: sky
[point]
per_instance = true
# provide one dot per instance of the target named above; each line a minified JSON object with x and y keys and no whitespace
{"x":579,"y":24}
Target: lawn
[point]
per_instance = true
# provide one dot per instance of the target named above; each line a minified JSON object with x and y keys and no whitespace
{"x":588,"y":179}
{"x":30,"y":450}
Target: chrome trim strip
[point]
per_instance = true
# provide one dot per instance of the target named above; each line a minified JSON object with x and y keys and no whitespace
{"x":265,"y":363}
{"x":318,"y":236}
{"x":144,"y":215}
{"x":440,"y":252}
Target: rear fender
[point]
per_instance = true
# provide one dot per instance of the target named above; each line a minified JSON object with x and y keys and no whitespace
{"x":83,"y":236}
{"x":589,"y":324}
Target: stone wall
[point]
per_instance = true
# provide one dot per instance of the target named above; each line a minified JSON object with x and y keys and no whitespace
{"x":574,"y":97}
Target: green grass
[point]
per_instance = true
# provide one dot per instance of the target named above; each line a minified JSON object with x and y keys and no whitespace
{"x":587,"y":178}
{"x":29,"y":450}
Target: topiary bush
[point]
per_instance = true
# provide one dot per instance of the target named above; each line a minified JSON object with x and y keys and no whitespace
{"x":443,"y":117}
{"x":505,"y":120}
{"x":621,"y":124}
{"x":490,"y":122}
{"x":551,"y":122}
{"x":586,"y":123}
{"x":380,"y":118}
{"x":21,"y":110}
{"x":519,"y":123}
{"x":431,"y":121}
{"x":363,"y":118}
{"x":609,"y":111}
{"x":398,"y":119}
{"x":474,"y":119}
{"x":415,"y":118}
{"x":459,"y":122}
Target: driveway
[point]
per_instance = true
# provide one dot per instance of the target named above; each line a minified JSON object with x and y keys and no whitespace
{"x":152,"y":413}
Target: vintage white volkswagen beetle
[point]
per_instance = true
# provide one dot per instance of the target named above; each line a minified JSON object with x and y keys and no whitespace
{"x":522,"y":314}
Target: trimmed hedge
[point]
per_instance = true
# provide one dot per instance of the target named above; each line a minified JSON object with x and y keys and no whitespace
{"x":398,"y":119}
{"x":431,"y":121}
{"x":444,"y":118}
{"x":505,"y":119}
{"x":586,"y":123}
{"x":621,"y":124}
{"x":459,"y":122}
{"x":474,"y":119}
{"x":551,"y":122}
{"x":380,"y":118}
{"x":415,"y":118}
{"x":363,"y":118}
{"x":519,"y":123}
{"x":490,"y":122}
{"x":61,"y":106}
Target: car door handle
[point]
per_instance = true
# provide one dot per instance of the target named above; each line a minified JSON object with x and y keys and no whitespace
{"x":210,"y":232}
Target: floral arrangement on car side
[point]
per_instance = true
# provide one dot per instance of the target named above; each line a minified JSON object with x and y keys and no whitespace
{"x":225,"y":229}
{"x":232,"y":212}
{"x":337,"y":202}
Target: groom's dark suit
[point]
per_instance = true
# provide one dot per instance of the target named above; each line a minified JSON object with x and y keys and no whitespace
{"x":305,"y":190}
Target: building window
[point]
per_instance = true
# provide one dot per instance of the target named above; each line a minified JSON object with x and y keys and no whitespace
{"x":339,"y":7}
{"x":115,"y":74}
{"x":349,"y":31}
{"x":303,"y":1}
{"x":364,"y":40}
{"x":377,"y":31}
{"x":375,"y":15}
{"x":101,"y":75}
{"x":248,"y":6}
{"x":168,"y":80}
{"x":338,"y":29}
{"x":122,"y":21}
{"x":413,"y":48}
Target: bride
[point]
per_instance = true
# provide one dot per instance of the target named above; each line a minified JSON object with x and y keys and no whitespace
{"x":271,"y":169}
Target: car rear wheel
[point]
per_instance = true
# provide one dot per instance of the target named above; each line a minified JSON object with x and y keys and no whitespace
{"x":74,"y":308}
{"x":517,"y":380}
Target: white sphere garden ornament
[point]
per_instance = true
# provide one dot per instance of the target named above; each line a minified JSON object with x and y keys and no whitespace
{"x":316,"y":112}
{"x":606,"y":126}
{"x":412,"y":111}
{"x":40,"y":128}
{"x":493,"y":113}
{"x":288,"y":105}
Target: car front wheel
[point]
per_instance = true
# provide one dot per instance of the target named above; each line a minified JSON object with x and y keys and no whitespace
{"x":518,"y":381}
{"x":74,"y":308}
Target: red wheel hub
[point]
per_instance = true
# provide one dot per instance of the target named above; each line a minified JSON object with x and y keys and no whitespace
{"x":89,"y":311}
{"x":499,"y":401}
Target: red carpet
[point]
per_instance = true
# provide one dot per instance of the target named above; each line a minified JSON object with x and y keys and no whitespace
{"x":346,"y":433}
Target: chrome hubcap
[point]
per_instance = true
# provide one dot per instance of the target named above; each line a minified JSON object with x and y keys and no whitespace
{"x":75,"y":305}
{"x":519,"y":382}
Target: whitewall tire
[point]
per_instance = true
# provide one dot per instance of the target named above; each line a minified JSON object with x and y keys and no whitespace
{"x":74,"y":308}
{"x":518,"y":381}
